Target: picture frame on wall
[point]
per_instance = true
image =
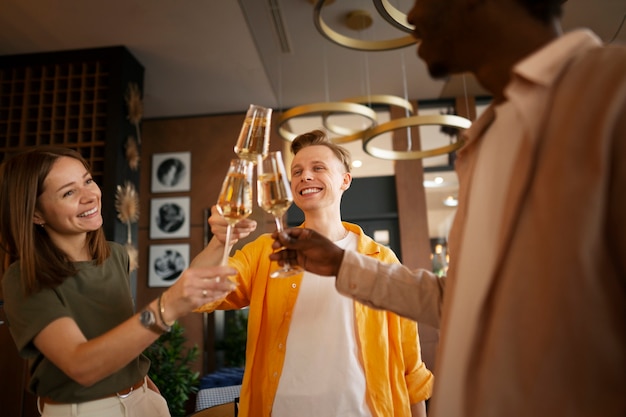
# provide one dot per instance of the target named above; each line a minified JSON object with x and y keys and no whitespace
{"x":169,"y":217}
{"x":171,"y":172}
{"x":167,"y":262}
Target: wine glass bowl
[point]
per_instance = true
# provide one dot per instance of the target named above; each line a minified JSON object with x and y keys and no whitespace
{"x":274,"y":196}
{"x":254,"y":137}
{"x":235,"y":200}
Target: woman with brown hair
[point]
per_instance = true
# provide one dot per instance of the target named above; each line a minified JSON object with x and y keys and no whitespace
{"x":67,"y":295}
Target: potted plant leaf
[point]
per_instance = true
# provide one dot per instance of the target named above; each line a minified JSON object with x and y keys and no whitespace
{"x":170,"y":369}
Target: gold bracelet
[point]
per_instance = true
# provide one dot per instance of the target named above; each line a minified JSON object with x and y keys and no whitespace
{"x":161,"y":310}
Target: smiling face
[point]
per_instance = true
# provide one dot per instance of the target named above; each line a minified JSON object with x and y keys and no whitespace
{"x":69,"y":205}
{"x":318,"y":179}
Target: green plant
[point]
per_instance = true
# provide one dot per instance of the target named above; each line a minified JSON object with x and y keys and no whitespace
{"x":170,"y":369}
{"x":234,"y":343}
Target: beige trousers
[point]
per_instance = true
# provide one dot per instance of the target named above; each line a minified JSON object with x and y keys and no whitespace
{"x":142,"y":402}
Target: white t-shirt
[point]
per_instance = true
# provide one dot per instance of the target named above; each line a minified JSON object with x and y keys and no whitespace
{"x":322,"y":374}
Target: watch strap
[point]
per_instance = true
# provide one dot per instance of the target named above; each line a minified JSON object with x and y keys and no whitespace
{"x":148,"y":319}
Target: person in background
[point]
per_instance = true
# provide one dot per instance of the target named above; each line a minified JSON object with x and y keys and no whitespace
{"x":311,"y":351}
{"x":533,"y":308}
{"x":67,"y":292}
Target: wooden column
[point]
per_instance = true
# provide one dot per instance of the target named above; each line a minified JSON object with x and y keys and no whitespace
{"x":466,"y":107}
{"x":412,"y":213}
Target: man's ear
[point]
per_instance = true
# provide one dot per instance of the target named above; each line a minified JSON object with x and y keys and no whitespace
{"x":347,"y":180}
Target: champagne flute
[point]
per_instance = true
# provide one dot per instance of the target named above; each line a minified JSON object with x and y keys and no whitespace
{"x":254,"y":138}
{"x":274,"y":196}
{"x":235,"y":200}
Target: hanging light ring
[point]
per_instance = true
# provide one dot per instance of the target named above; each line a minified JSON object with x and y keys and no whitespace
{"x":323,"y":108}
{"x":354,"y":43}
{"x":444,"y":120}
{"x":385,"y":99}
{"x":393,"y":16}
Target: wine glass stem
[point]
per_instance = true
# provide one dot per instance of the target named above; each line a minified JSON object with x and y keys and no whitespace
{"x":279,"y":228}
{"x":227,"y":245}
{"x":279,"y":223}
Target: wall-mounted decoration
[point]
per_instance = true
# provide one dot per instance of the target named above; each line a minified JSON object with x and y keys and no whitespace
{"x":131,"y":149}
{"x":169,"y":218}
{"x":167,"y":262}
{"x":135,"y":107}
{"x":127,"y":206}
{"x":171,"y":172}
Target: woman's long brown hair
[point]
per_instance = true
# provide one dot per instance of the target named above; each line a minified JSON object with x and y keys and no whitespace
{"x":42,"y":264}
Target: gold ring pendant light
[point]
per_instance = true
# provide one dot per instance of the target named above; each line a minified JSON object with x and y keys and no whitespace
{"x":392,"y":15}
{"x":353,"y":43}
{"x":355,"y":105}
{"x":385,"y":99}
{"x":443,"y":120}
{"x":326,"y":108}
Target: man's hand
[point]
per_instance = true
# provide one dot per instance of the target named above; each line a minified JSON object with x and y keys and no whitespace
{"x":309,"y":249}
{"x":239,"y":231}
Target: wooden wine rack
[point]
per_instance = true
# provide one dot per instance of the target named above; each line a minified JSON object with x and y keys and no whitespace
{"x":55,"y":104}
{"x":74,"y":99}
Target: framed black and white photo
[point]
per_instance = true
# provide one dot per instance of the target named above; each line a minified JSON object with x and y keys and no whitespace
{"x":167,"y":262}
{"x":171,"y":172}
{"x":169,"y":218}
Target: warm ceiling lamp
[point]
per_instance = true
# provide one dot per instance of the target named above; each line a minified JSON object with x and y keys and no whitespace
{"x":360,"y":106}
{"x":359,"y":20}
{"x":354,"y":43}
{"x":392,"y":15}
{"x":405,"y":122}
{"x":324,"y":109}
{"x":369,"y":100}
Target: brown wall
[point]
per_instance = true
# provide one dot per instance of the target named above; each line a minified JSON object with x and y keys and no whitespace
{"x":210,"y":140}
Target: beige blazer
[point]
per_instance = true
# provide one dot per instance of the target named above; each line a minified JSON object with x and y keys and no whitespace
{"x":552,"y":336}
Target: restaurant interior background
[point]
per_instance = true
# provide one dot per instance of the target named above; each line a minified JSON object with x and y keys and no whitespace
{"x":198,"y":65}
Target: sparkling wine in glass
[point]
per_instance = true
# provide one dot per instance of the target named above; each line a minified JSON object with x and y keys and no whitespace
{"x":254,"y":138}
{"x":274,"y":196}
{"x":235,"y":200}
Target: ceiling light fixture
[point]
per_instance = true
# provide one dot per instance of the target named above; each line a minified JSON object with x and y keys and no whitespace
{"x":358,"y":20}
{"x":354,"y":43}
{"x":444,"y":120}
{"x":384,"y":99}
{"x":393,"y":16}
{"x":325,"y":108}
{"x":450,"y":201}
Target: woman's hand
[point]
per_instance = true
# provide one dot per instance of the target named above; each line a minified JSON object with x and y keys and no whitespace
{"x":194,"y":288}
{"x":65,"y":345}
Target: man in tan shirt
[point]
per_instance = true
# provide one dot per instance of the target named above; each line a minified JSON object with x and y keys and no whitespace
{"x":533,"y":311}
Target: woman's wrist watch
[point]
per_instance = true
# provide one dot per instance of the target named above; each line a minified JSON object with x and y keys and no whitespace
{"x":148,"y":319}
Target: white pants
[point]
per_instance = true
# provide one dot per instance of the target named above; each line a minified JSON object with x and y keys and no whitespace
{"x":142,"y":402}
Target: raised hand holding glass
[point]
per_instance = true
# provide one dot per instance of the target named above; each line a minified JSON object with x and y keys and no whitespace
{"x":235,"y":200}
{"x":274,"y":196}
